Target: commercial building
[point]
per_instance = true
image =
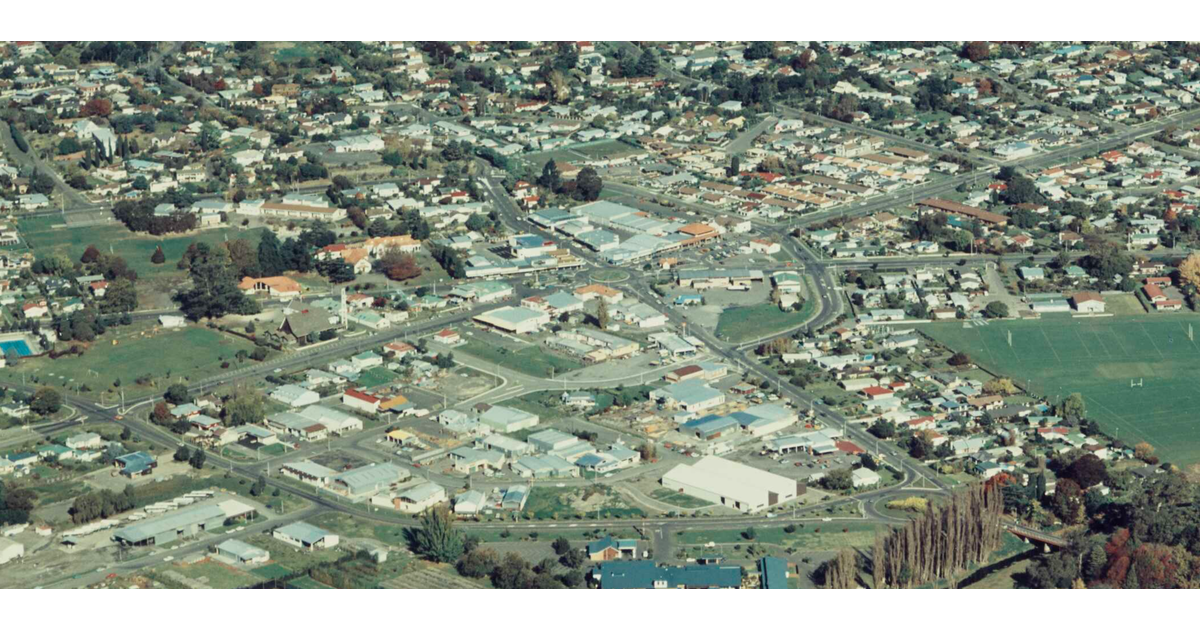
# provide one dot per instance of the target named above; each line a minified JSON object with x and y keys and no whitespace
{"x":237,"y":552}
{"x":419,"y":498}
{"x":182,"y":523}
{"x":645,"y":574}
{"x":731,"y":484}
{"x":516,"y":320}
{"x":305,"y":536}
{"x":507,"y":419}
{"x":10,"y":550}
{"x":367,"y":480}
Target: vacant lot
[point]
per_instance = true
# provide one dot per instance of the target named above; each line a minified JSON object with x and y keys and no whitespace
{"x":595,"y":502}
{"x":531,"y":360}
{"x":745,"y":323}
{"x":807,"y":537}
{"x":1098,"y":357}
{"x":192,"y":352}
{"x":678,"y":499}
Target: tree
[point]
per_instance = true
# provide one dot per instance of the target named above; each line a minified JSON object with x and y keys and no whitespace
{"x":976,"y":51}
{"x":588,"y":184}
{"x":436,"y":539}
{"x":883,"y":429}
{"x":1072,"y":407}
{"x":1189,"y":270}
{"x":1068,"y":502}
{"x":46,"y":401}
{"x":90,"y":255}
{"x":647,"y":63}
{"x":1087,"y":471}
{"x":120,"y":297}
{"x":841,"y":572}
{"x":96,"y":107}
{"x":999,"y":386}
{"x":247,"y":406}
{"x":183,"y":453}
{"x":214,"y":290}
{"x":158,"y":257}
{"x":550,"y":179}
{"x":959,"y":359}
{"x":197,"y":459}
{"x":259,"y":487}
{"x":1145,"y":452}
{"x":838,"y":479}
{"x":399,"y":266}
{"x":602,"y":318}
{"x":177,"y":394}
{"x":996,"y":310}
{"x":561,"y":545}
{"x":478,"y":562}
{"x":270,"y":261}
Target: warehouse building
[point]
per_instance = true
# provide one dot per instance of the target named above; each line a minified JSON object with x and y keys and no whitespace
{"x":305,"y":536}
{"x":507,"y":419}
{"x":10,"y":550}
{"x":237,"y":552}
{"x":516,"y":320}
{"x":183,"y":523}
{"x":367,"y":479}
{"x":645,"y":574}
{"x":731,"y":484}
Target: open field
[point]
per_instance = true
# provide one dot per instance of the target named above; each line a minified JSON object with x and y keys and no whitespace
{"x":47,"y":235}
{"x":1098,"y":357}
{"x":532,"y":360}
{"x":194,"y":352}
{"x":744,"y":323}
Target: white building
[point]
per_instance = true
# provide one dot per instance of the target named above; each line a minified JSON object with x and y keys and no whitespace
{"x":731,"y":484}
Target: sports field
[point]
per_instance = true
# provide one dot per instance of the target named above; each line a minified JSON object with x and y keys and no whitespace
{"x":48,"y":235}
{"x":1098,"y":357}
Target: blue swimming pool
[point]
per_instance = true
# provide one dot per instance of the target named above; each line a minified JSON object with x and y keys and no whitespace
{"x":19,"y":345}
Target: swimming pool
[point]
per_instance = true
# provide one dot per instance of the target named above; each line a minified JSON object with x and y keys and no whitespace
{"x":19,"y":345}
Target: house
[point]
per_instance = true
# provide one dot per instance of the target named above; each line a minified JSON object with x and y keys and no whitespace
{"x":136,"y":464}
{"x":273,"y":286}
{"x":1088,"y":302}
{"x":84,"y":441}
{"x":609,"y":548}
{"x":305,"y":536}
{"x":448,"y":337}
{"x":307,"y":471}
{"x":469,"y":502}
{"x":864,"y":477}
{"x":10,"y":550}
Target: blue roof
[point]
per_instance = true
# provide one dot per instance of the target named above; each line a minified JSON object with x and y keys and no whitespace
{"x":644,"y":574}
{"x":774,"y":572}
{"x":136,"y":462}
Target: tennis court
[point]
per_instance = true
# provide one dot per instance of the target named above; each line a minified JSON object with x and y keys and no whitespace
{"x":1099,"y":358}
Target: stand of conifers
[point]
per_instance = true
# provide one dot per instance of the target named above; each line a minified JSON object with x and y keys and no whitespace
{"x":942,"y":541}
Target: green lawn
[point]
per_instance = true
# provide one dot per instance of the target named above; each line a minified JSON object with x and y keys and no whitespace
{"x":744,"y":323}
{"x":678,"y":499}
{"x":193,"y":352}
{"x":270,"y":571}
{"x":807,"y":537}
{"x":375,"y":377}
{"x":42,"y":235}
{"x":1098,"y":357}
{"x":532,"y":360}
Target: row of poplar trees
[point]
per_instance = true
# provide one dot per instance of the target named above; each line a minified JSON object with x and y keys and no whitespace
{"x":933,"y":546}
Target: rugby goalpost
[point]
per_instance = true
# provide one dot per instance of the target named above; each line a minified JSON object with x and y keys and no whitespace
{"x":1138,"y":383}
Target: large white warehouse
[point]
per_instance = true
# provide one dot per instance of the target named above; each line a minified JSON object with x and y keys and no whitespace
{"x":731,"y":484}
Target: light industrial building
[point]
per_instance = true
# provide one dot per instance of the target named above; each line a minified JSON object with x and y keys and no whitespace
{"x":731,"y":484}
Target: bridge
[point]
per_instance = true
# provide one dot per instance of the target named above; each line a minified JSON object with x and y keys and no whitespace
{"x":1030,"y":534}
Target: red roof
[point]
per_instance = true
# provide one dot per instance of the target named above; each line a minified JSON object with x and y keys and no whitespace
{"x":365,"y":397}
{"x":848,"y":447}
